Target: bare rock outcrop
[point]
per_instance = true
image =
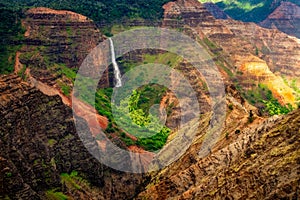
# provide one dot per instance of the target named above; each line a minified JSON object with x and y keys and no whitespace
{"x":39,"y":142}
{"x":234,"y":44}
{"x":285,"y":18}
{"x":258,"y":162}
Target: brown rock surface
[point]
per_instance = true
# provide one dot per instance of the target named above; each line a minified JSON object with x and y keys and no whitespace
{"x":234,"y":44}
{"x":261,"y":161}
{"x":285,"y":18}
{"x":256,"y":159}
{"x":54,"y":39}
{"x":38,"y":142}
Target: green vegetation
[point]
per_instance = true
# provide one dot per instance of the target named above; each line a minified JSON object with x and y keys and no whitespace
{"x":54,"y":195}
{"x":155,"y":142}
{"x":101,"y":11}
{"x":98,"y":10}
{"x":69,"y":31}
{"x":165,"y":58}
{"x":262,"y":98}
{"x":251,"y":117}
{"x":71,"y":180}
{"x":219,"y":63}
{"x":149,"y":95}
{"x":51,"y":142}
{"x":8,"y":174}
{"x":11,"y":33}
{"x":139,"y":121}
{"x":216,"y":54}
{"x":63,"y":69}
{"x":256,"y":51}
{"x":227,"y":135}
{"x":275,"y":108}
{"x":66,"y":89}
{"x":146,"y":127}
{"x":209,"y":43}
{"x":126,"y":139}
{"x":22,"y":74}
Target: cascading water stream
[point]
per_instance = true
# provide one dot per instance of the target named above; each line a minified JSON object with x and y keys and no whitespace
{"x":117,"y":72}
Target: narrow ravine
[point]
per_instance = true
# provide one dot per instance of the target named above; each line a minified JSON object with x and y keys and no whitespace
{"x":117,"y":72}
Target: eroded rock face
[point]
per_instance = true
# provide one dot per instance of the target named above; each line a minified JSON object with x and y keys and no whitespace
{"x":70,"y":35}
{"x":234,"y":44}
{"x":261,"y":162}
{"x":38,"y":142}
{"x":285,"y":18}
{"x":254,"y":158}
{"x":56,"y":39}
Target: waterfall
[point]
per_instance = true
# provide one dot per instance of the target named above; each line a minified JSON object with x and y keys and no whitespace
{"x":117,"y":72}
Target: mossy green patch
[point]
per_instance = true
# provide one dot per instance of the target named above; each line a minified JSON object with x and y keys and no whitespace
{"x":54,"y":195}
{"x":71,"y":179}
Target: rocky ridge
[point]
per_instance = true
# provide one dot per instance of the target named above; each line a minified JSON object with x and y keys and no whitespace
{"x":233,"y":44}
{"x":39,"y":142}
{"x":254,"y":157}
{"x":285,"y":18}
{"x":56,"y":39}
{"x":240,"y":144}
{"x":261,"y":162}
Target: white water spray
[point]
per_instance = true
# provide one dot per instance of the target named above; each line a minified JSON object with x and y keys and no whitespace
{"x":117,"y":72}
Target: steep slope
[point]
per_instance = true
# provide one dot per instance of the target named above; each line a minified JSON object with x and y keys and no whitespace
{"x":249,"y":11}
{"x":285,"y":18}
{"x":234,"y":44}
{"x":261,"y":162}
{"x":39,"y":143}
{"x":216,"y":11}
{"x":254,"y":158}
{"x":56,"y":40}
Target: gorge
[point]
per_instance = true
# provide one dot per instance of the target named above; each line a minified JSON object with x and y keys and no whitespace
{"x":256,"y":156}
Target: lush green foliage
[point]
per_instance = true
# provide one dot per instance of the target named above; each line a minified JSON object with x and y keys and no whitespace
{"x":146,"y":127}
{"x":134,"y":119}
{"x":101,"y":11}
{"x":263,"y":98}
{"x":275,"y":108}
{"x":155,"y":142}
{"x":98,"y":10}
{"x":141,"y":123}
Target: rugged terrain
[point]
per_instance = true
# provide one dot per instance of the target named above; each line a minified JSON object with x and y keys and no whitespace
{"x":255,"y":157}
{"x":248,"y":53}
{"x":285,"y":18}
{"x":249,"y":11}
{"x":42,"y":155}
{"x":257,"y":162}
{"x":54,"y":41}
